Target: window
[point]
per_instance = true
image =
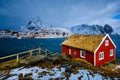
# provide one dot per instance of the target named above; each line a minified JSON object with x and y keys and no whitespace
{"x":82,"y":54}
{"x":69,"y":51}
{"x":101,"y":55}
{"x":106,"y":42}
{"x":111,"y":52}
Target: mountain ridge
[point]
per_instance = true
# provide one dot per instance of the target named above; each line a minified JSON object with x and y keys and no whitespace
{"x":92,"y":29}
{"x":36,"y":24}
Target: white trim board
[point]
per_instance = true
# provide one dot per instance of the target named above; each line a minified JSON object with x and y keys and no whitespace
{"x":111,"y":40}
{"x":97,"y":49}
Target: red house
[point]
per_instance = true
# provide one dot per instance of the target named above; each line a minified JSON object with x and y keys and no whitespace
{"x":96,"y":49}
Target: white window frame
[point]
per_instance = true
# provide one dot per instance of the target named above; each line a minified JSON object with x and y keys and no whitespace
{"x":111,"y":50}
{"x":106,"y":42}
{"x":81,"y":52}
{"x":69,"y":51}
{"x":101,"y":58}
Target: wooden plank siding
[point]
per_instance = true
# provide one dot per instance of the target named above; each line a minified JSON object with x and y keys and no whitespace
{"x":106,"y":50}
{"x":75,"y":53}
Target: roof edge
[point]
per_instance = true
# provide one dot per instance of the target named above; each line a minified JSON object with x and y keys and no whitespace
{"x":107,"y":35}
{"x":78,"y":48}
{"x":111,"y":40}
{"x":100,"y":43}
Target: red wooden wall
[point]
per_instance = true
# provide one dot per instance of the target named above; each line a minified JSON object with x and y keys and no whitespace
{"x":106,"y":50}
{"x":65,"y":50}
{"x":75,"y":53}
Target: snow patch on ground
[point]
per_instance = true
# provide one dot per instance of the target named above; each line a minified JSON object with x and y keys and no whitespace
{"x":56,"y":72}
{"x":117,"y":66}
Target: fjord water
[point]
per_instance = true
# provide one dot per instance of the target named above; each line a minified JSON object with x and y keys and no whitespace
{"x":12,"y":45}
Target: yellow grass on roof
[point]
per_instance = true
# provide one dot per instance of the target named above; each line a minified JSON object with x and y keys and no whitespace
{"x":85,"y":42}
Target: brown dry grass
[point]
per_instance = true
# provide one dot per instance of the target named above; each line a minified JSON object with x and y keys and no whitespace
{"x":85,"y":42}
{"x":7,"y":66}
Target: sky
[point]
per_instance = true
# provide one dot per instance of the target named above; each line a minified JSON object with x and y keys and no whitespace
{"x":62,"y":13}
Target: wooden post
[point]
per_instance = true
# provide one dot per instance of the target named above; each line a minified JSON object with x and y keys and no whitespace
{"x":17,"y":58}
{"x":39,"y":50}
{"x":31,"y":53}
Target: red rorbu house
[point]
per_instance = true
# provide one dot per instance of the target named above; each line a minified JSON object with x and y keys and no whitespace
{"x":96,"y":49}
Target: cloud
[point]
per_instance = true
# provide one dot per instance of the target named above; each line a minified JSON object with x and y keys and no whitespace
{"x":94,"y":14}
{"x":64,"y":13}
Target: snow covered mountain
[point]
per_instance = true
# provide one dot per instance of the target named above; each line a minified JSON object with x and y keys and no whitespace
{"x":36,"y":26}
{"x":93,"y":29}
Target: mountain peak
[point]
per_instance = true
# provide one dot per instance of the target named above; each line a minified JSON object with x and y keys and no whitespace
{"x":36,"y":19}
{"x":35,"y":24}
{"x":108,"y":28}
{"x":92,"y":29}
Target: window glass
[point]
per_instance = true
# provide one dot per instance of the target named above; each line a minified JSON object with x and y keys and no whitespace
{"x":111,"y":52}
{"x":101,"y":55}
{"x":82,"y":54}
{"x":106,"y":42}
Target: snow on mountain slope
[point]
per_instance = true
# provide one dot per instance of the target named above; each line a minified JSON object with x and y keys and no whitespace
{"x":92,"y":29}
{"x":108,"y":29}
{"x":59,"y":30}
{"x":85,"y":29}
{"x":36,"y":25}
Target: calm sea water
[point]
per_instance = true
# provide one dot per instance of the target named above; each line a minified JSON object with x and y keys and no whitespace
{"x":12,"y":45}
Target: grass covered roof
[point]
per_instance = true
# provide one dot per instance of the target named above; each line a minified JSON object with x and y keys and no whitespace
{"x":85,"y":42}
